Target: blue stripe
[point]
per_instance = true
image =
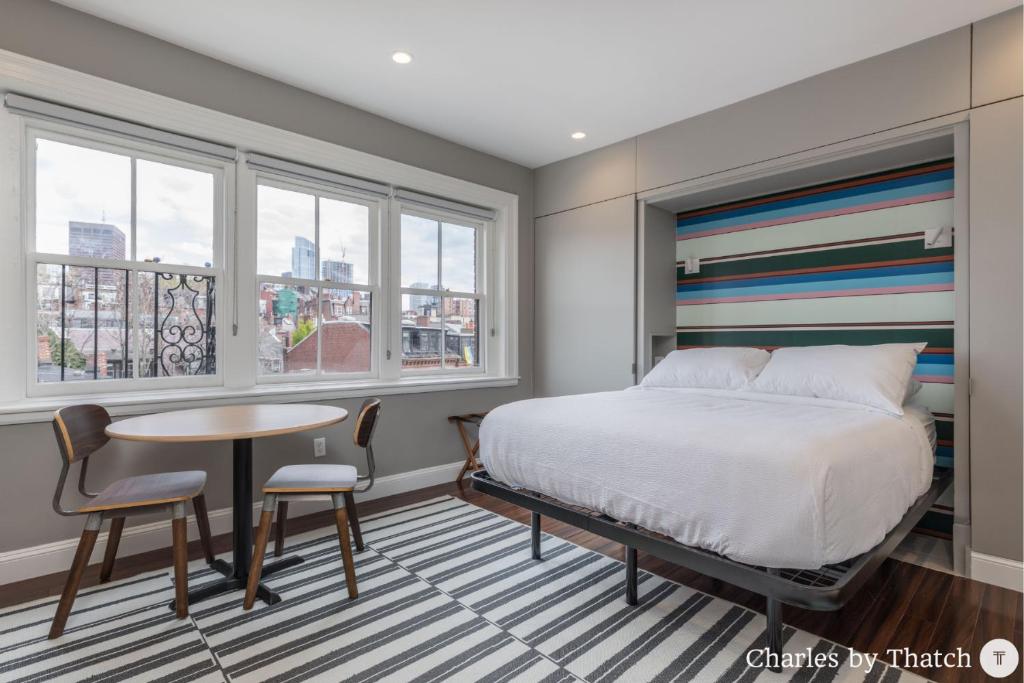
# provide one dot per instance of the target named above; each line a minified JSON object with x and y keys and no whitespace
{"x":826,"y":276}
{"x":944,"y":178}
{"x":831,"y":205}
{"x":944,"y":456}
{"x":933,"y":369}
{"x":836,"y":285}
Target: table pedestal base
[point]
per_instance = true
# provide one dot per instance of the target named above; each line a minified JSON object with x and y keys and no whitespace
{"x":236,"y":573}
{"x":230,"y":582}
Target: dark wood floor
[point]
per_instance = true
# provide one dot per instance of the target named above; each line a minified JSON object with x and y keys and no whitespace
{"x":902,"y":606}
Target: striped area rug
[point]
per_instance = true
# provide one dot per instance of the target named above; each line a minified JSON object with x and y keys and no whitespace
{"x":448,"y":592}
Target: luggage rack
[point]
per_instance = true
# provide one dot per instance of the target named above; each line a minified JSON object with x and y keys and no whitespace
{"x":827,"y":588}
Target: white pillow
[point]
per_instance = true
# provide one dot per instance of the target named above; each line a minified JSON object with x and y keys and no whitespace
{"x":876,"y":376}
{"x":714,"y":368}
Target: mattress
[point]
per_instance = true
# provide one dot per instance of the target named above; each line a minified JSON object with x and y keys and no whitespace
{"x":765,"y":480}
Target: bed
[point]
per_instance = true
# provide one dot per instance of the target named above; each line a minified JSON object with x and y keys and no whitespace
{"x":760,"y":479}
{"x":796,"y":498}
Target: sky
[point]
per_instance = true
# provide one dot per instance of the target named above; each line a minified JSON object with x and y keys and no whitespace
{"x":419,"y":254}
{"x":175,"y":205}
{"x":283,"y":215}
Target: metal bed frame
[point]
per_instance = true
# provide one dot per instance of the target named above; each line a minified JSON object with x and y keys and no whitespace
{"x":827,"y":588}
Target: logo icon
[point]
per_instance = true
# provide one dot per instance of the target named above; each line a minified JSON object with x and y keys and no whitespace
{"x":999,"y":658}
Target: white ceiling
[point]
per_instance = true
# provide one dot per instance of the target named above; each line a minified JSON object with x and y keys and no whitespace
{"x":514,"y":78}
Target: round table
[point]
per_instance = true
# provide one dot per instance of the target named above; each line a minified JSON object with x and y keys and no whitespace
{"x":239,"y":424}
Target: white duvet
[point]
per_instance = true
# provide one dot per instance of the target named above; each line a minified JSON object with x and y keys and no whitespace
{"x":764,"y":480}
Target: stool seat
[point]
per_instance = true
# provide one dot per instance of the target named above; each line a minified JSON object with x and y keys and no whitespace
{"x":148,"y":489}
{"x":312,"y":478}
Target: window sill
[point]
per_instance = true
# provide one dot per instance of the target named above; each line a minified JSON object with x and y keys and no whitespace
{"x":142,"y":402}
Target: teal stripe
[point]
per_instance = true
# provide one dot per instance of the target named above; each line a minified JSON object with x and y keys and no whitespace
{"x":935,"y":337}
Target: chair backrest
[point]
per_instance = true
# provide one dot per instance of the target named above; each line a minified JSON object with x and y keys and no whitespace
{"x":79,"y":430}
{"x":366,"y":422}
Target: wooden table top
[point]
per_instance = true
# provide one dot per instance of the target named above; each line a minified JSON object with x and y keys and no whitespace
{"x":225,"y":423}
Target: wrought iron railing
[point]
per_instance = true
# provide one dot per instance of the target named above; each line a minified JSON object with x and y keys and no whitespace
{"x":179,"y":339}
{"x":188,"y":346}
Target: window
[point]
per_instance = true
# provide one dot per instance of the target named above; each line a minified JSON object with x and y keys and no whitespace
{"x":316,"y":254}
{"x":442,"y":300}
{"x":164,"y":267}
{"x":125,"y":260}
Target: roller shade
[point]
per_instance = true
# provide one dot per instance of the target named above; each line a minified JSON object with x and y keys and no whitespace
{"x":303,"y":172}
{"x":433,"y":202}
{"x":22,"y":104}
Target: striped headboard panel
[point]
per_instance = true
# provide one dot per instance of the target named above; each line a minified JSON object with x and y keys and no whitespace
{"x":840,"y":263}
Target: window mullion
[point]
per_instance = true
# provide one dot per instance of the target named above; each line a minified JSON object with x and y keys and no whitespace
{"x":134,"y":212}
{"x":320,"y":288}
{"x":440,"y":299}
{"x":133,"y":297}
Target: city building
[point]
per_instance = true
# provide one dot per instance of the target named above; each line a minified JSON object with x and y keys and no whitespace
{"x":96,"y":240}
{"x":336,"y":271}
{"x":422,"y":303}
{"x":303,"y":259}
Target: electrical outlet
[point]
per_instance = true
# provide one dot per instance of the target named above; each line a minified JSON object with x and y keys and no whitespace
{"x":319,"y":447}
{"x":691,"y":265}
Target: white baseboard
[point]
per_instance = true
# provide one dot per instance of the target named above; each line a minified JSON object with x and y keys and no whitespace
{"x":998,"y":571}
{"x":39,"y":560}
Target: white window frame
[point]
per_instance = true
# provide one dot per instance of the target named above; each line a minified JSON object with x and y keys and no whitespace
{"x":223,"y":176}
{"x":376,"y":208}
{"x":484,"y":256}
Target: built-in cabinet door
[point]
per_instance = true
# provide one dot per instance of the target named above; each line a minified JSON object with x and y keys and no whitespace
{"x":584,"y":320}
{"x":995,"y":349}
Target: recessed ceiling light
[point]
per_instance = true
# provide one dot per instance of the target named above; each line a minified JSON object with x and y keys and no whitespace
{"x":578,"y":135}
{"x":401,"y":57}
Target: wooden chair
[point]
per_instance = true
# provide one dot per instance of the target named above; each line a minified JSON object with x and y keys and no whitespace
{"x":296,"y":481}
{"x":80,"y":433}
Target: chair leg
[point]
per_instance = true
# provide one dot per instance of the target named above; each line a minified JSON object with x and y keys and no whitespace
{"x":341,"y":521}
{"x":113,"y":539}
{"x":353,"y":519}
{"x":203,"y":522}
{"x":67,"y":598}
{"x":282,"y":521}
{"x":259,"y":549}
{"x":179,"y":539}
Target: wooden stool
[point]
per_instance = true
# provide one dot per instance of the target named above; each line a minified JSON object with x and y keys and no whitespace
{"x":471,"y":448}
{"x":80,"y":432}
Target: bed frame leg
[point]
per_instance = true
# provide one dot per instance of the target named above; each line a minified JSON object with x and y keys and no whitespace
{"x":535,"y":535}
{"x":631,"y":593}
{"x":773,"y":630}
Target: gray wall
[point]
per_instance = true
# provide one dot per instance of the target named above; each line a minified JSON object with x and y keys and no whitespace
{"x":585,"y":276}
{"x":656,"y":280}
{"x":414,"y":433}
{"x":971,"y":66}
{"x":997,"y":242}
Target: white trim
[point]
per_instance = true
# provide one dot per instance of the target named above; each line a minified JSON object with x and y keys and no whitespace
{"x":35,"y":78}
{"x":39,"y":560}
{"x":50,"y":110}
{"x":145,"y":403}
{"x":293,"y":170}
{"x":997,"y":571}
{"x":445,"y":205}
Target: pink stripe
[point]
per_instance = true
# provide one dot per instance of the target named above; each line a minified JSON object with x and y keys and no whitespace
{"x":934,"y":379}
{"x":942,"y":287}
{"x":920,"y":199}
